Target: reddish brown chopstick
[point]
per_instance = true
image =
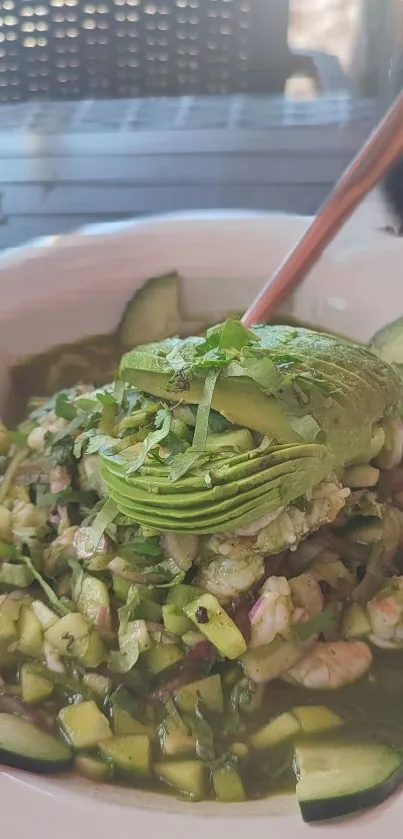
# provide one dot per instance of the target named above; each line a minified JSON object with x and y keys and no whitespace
{"x":380,"y":152}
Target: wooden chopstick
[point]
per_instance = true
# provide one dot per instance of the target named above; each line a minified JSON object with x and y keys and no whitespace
{"x":380,"y":152}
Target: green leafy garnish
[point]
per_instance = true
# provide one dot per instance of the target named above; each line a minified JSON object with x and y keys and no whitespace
{"x":182,"y":463}
{"x":152,"y":440}
{"x":323,"y":623}
{"x":64,"y":408}
{"x":66,"y":496}
{"x":103,"y":519}
{"x":48,"y":590}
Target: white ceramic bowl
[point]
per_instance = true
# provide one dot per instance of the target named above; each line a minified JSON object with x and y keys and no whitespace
{"x":65,"y":288}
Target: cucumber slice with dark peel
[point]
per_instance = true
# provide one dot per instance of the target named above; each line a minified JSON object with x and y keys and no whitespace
{"x":130,"y":754}
{"x":338,"y":778}
{"x":92,"y":768}
{"x":24,"y":746}
{"x":187,"y":776}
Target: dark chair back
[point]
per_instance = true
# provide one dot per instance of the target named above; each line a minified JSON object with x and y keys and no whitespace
{"x":128,"y":48}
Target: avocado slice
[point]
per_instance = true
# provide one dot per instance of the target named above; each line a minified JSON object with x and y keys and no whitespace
{"x":343,"y":387}
{"x":316,"y":398}
{"x":295,"y":470}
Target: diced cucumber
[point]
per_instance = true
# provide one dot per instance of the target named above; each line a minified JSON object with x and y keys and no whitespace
{"x":282,"y":728}
{"x":356,"y":623}
{"x":239,"y":749}
{"x":208,"y":691}
{"x":227,"y":784}
{"x":84,"y":725}
{"x":212,"y":620}
{"x":94,"y":652}
{"x":34,"y":688}
{"x":30,"y":633}
{"x":92,"y":768}
{"x":175,"y":741}
{"x":69,"y":635}
{"x":26,"y":747}
{"x":316,"y":718}
{"x":120,"y":588}
{"x":187,"y":776}
{"x":161,"y":657}
{"x":100,"y":685}
{"x":192,"y":638}
{"x":181,"y":595}
{"x":8,"y":632}
{"x":123,"y":722}
{"x":130,"y":754}
{"x":140,"y":632}
{"x":175,"y":621}
{"x":45,"y":615}
{"x":72,"y":636}
{"x":337,"y":778}
{"x":16,"y":575}
{"x":94,"y":601}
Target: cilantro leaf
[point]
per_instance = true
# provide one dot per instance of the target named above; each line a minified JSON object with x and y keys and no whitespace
{"x":150,"y":442}
{"x":182,"y":463}
{"x":324,"y":622}
{"x":64,"y":408}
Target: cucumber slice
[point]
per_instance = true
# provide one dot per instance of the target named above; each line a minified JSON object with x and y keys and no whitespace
{"x":159,"y":658}
{"x":187,"y":776}
{"x":8,"y":631}
{"x":123,"y":722}
{"x":84,"y":725}
{"x":26,"y":747}
{"x":92,"y":768}
{"x":356,"y":623}
{"x":34,"y":688}
{"x":212,"y":620}
{"x":130,"y":754}
{"x":337,"y":778}
{"x":175,"y":741}
{"x":175,"y":621}
{"x":314,"y":719}
{"x":30,"y":632}
{"x":227,"y":784}
{"x":208,"y":690}
{"x":94,"y":597}
{"x":100,"y":685}
{"x":152,"y":314}
{"x":45,"y":615}
{"x":277,"y":731}
{"x":388,"y":343}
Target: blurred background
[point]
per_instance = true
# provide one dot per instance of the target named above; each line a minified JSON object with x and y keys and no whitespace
{"x":111,"y":109}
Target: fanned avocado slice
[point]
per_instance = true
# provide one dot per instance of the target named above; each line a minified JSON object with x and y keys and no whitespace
{"x":239,"y":501}
{"x":343,"y":388}
{"x":317,"y":399}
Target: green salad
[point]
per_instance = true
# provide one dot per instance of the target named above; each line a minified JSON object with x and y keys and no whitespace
{"x":202,"y":573}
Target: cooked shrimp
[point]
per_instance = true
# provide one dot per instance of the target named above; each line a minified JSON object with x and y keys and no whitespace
{"x":329,"y":666}
{"x":282,"y":604}
{"x":385,"y":612}
{"x":293,"y":524}
{"x":271,"y":614}
{"x":227,"y":577}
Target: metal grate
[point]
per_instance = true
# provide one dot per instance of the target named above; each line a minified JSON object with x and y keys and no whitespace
{"x":128,"y":48}
{"x":186,"y":113}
